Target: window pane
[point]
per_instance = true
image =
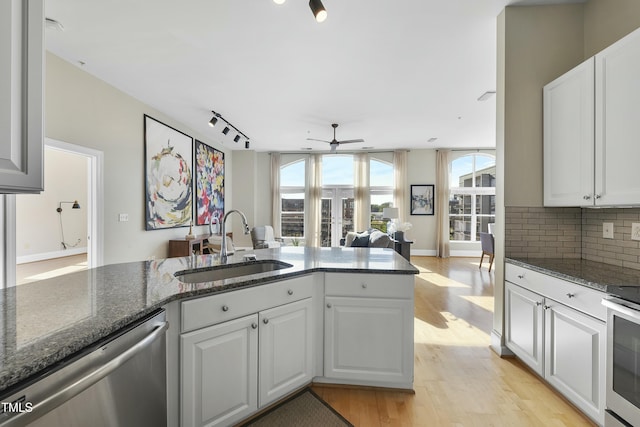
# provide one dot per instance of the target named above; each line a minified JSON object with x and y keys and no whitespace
{"x":378,"y":203}
{"x":293,"y":215}
{"x":486,"y":205}
{"x":337,"y":170}
{"x":462,"y":172}
{"x":380,"y":174}
{"x":482,"y":224}
{"x":292,"y":175}
{"x":459,"y":227}
{"x":485,"y":171}
{"x":325,"y":223}
{"x":460,"y":204}
{"x":347,"y":215}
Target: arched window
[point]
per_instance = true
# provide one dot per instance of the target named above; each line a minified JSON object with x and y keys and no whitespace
{"x":472,"y":199}
{"x":381,"y":181}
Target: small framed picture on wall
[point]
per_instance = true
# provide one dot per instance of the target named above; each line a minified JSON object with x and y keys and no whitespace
{"x":422,"y":201}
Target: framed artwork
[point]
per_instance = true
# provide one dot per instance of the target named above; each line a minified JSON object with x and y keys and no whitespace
{"x":422,"y":202}
{"x":209,"y":184}
{"x":168,"y":157}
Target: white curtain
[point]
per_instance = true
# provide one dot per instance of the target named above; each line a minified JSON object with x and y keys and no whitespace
{"x":313,"y":200}
{"x":361,"y":193}
{"x":442,"y":203}
{"x":400,"y":185}
{"x":276,"y":207}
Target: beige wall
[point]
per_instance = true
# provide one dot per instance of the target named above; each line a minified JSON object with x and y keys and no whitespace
{"x":83,"y":110}
{"x":606,"y":21}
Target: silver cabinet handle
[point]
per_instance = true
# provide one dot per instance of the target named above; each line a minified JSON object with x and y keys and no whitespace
{"x":290,"y":291}
{"x":520,"y":276}
{"x":364,"y":286}
{"x":538,"y":303}
{"x":225,"y":308}
{"x":547,"y":307}
{"x":265,"y":321}
{"x":598,"y":196}
{"x":587,"y":197}
{"x":571,"y":295}
{"x":328,"y":305}
{"x":254,"y":325}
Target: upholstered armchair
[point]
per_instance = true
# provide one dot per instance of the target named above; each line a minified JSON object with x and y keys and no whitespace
{"x":263,"y":237}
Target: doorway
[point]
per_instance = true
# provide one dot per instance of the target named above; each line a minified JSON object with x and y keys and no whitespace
{"x":337,"y":215}
{"x":60,"y":230}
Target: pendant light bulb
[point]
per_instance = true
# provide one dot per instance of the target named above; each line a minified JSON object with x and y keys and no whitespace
{"x":279,"y":1}
{"x":318,"y":10}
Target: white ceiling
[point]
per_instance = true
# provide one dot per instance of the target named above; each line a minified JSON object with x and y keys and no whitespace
{"x":395,"y":73}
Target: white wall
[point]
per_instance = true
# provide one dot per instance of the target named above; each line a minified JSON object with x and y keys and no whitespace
{"x":38,"y":233}
{"x":83,"y":110}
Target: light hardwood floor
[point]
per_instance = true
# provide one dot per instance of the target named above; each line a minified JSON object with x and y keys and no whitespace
{"x":459,"y":380}
{"x":33,"y":271}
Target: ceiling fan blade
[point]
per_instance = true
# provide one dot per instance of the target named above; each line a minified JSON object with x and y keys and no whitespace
{"x":350,"y":141}
{"x":321,"y":140}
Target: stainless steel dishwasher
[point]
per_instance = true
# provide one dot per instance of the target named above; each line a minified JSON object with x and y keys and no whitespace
{"x":116,"y":383}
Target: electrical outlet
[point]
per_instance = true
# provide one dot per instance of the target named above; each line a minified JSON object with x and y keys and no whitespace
{"x":635,"y":231}
{"x":123,"y":217}
{"x":607,"y":230}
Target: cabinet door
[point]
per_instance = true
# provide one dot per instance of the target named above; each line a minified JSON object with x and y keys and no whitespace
{"x":369,"y":339}
{"x":21,"y":95}
{"x":568,"y":138}
{"x":575,"y":357}
{"x":286,"y":349}
{"x":524,"y":325}
{"x":219,"y":373}
{"x":618,"y":122}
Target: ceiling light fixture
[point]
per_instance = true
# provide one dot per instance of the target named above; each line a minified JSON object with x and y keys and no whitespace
{"x":432,"y":139}
{"x":485,"y":96}
{"x":228,"y":126}
{"x":246,"y":144}
{"x":278,"y":1}
{"x":318,"y":10}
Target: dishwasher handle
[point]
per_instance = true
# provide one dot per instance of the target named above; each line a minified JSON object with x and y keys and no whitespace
{"x":624,"y":307}
{"x":76,"y":387}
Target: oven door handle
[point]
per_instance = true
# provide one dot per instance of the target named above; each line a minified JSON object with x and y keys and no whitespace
{"x":622,"y":307}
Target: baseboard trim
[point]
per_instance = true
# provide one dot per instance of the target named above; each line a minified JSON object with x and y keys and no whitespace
{"x":50,"y":255}
{"x":424,"y":252}
{"x":497,"y":346}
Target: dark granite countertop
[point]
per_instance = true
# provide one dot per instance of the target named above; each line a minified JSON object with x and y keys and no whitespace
{"x":45,"y":323}
{"x":618,"y":281}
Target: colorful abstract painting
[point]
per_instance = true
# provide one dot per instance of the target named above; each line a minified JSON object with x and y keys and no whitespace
{"x":168,"y":171}
{"x":209,"y":184}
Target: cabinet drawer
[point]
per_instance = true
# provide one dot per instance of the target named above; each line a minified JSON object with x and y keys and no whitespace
{"x":205,"y":311}
{"x":369,"y":285}
{"x":580,"y":297}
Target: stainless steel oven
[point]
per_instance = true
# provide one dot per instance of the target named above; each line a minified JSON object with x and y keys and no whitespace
{"x":623,"y":363}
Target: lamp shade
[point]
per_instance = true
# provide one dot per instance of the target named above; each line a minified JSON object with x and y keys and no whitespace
{"x":390,"y":213}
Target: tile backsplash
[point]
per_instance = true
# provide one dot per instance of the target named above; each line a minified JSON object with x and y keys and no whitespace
{"x":537,"y":232}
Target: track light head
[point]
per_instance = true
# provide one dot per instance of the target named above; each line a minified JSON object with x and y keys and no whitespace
{"x":246,"y":144}
{"x":318,"y":10}
{"x":237,"y":138}
{"x":225,"y":130}
{"x":213,"y":121}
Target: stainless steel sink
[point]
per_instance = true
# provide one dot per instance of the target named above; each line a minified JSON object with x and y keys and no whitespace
{"x":222,"y":272}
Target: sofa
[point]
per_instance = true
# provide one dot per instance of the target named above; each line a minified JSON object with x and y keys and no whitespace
{"x":372,"y":238}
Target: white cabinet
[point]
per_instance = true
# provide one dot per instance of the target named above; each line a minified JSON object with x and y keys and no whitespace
{"x":369,"y":329}
{"x":286,"y":349}
{"x":219,"y":373}
{"x":524,"y":323}
{"x":618,"y":122}
{"x":230,"y":367}
{"x":562,"y":342}
{"x":21,"y":95}
{"x":568,"y":138}
{"x":591,"y":128}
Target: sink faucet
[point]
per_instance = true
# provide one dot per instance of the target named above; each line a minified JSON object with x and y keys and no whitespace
{"x":223,"y":243}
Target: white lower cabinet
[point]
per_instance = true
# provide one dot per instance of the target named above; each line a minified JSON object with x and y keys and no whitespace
{"x":368,"y":335}
{"x":564,"y":345}
{"x":220,"y":373}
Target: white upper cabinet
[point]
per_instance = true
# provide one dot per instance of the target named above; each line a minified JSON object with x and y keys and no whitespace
{"x":592,"y":128}
{"x":617,"y":138}
{"x":568,"y":138}
{"x":21,"y":95}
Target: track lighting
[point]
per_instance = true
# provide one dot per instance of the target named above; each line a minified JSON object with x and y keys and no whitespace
{"x":228,"y":126}
{"x":318,"y":10}
{"x":246,"y":144}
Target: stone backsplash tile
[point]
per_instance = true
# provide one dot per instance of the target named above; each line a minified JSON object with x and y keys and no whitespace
{"x":572,"y":233}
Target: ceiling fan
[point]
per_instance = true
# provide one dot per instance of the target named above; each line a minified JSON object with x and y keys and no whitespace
{"x":334,"y":143}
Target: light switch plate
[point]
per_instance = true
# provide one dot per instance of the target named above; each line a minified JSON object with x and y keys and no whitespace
{"x":607,"y":230}
{"x":123,"y":217}
{"x":635,"y":231}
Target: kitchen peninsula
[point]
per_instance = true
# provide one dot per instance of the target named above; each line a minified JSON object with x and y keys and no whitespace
{"x":50,"y":321}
